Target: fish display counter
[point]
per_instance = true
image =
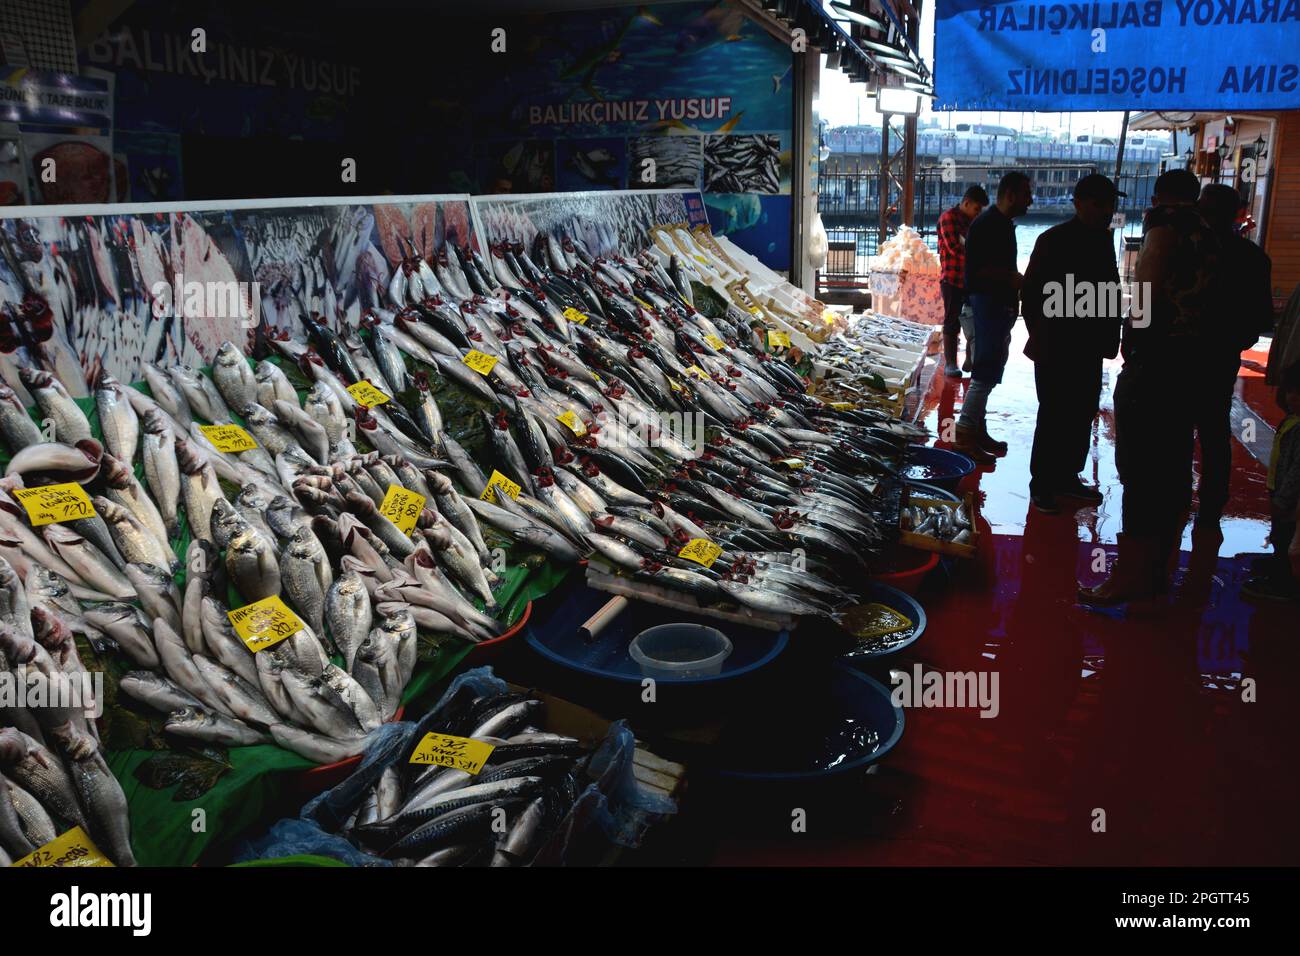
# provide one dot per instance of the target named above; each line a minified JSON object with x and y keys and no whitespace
{"x":266,"y":512}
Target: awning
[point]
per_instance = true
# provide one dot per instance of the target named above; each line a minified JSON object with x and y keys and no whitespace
{"x":1182,"y":119}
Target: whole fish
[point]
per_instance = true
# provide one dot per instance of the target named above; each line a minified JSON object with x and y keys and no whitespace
{"x":322,"y":749}
{"x":162,"y":473}
{"x":222,"y":643}
{"x":199,"y":487}
{"x":240,"y":698}
{"x":200,"y":394}
{"x":36,"y":823}
{"x":195,"y":724}
{"x":100,"y":793}
{"x":272,"y":385}
{"x":233,"y":377}
{"x":252,"y":565}
{"x":67,"y":422}
{"x":348,"y":614}
{"x":307,"y":576}
{"x":41,"y":773}
{"x":134,"y":541}
{"x":117,"y":419}
{"x":157,"y":592}
{"x":88,"y":563}
{"x":168,"y":396}
{"x":125,"y":624}
{"x":123,"y":487}
{"x":16,"y":426}
{"x":78,"y":462}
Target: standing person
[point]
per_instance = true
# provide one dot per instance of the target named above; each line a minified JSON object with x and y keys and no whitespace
{"x":1250,"y":270}
{"x":1069,"y":336}
{"x":993,"y":284}
{"x":1177,"y":296}
{"x":953,"y":226}
{"x":1279,"y":576}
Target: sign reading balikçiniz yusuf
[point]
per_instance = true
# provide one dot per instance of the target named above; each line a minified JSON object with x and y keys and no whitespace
{"x":1149,"y":54}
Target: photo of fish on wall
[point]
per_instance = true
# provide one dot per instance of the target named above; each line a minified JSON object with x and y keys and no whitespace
{"x":590,"y":164}
{"x":526,"y":166}
{"x":674,"y":162}
{"x":85,"y":295}
{"x":746,"y":164}
{"x":598,"y":222}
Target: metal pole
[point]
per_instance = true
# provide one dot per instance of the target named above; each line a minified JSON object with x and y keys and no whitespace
{"x":1119,"y":154}
{"x":884,"y":176}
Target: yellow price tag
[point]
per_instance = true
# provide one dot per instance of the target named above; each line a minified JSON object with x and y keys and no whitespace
{"x":264,"y":623}
{"x":675,"y":385}
{"x":778,"y":339}
{"x":228,"y":438}
{"x":702,"y":259}
{"x":695,"y":372}
{"x":402,"y":507}
{"x":366,"y":394}
{"x":49,"y":504}
{"x":701,"y":551}
{"x":754,"y":310}
{"x":73,"y":848}
{"x":792,"y":462}
{"x":480,"y":362}
{"x":573,"y":422}
{"x":460,"y":753}
{"x":573,"y":315}
{"x":716,"y":342}
{"x":499,"y":480}
{"x":843,"y":406}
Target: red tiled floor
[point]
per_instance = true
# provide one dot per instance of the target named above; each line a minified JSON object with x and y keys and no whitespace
{"x":1137,"y":713}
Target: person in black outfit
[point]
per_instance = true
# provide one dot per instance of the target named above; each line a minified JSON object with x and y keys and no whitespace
{"x":993,"y":284}
{"x":1073,"y":309}
{"x":1248,"y":316}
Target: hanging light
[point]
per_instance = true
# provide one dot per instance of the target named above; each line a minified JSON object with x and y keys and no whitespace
{"x":1223,"y":150}
{"x":1260,"y":151}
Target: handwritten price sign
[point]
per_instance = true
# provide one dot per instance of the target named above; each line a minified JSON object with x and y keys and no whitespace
{"x":402,"y":507}
{"x":573,"y":422}
{"x":460,"y":753}
{"x":228,"y":438}
{"x":264,"y":623}
{"x":500,"y":481}
{"x":701,"y":551}
{"x":50,"y":504}
{"x":73,"y":848}
{"x":573,"y":315}
{"x":716,"y":342}
{"x":366,"y":394}
{"x":777,"y":339}
{"x":480,"y":362}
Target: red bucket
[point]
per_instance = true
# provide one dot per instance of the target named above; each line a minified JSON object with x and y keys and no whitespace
{"x":319,"y":779}
{"x":908,"y":579}
{"x":485,"y":652}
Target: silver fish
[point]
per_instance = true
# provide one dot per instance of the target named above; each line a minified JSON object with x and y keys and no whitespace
{"x":16,"y":425}
{"x":117,"y":419}
{"x":324,"y":709}
{"x":199,"y":486}
{"x":240,"y":698}
{"x":252,"y":566}
{"x":134,"y":541}
{"x":195,"y":724}
{"x":59,"y":409}
{"x":233,"y":377}
{"x":162,"y":473}
{"x":125,"y":624}
{"x":101,"y":795}
{"x":80,"y":461}
{"x":200,"y":394}
{"x":272,"y":385}
{"x":88,"y":562}
{"x":41,"y":773}
{"x":36,"y":823}
{"x":322,"y":749}
{"x":348,"y":614}
{"x":157,"y":691}
{"x":221,"y":641}
{"x":157,"y":593}
{"x":306,"y":575}
{"x":167,"y":395}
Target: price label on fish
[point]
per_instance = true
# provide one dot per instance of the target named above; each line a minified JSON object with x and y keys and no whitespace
{"x":499,"y":481}
{"x":366,"y":394}
{"x":573,"y":315}
{"x":264,"y":623}
{"x":701,"y":551}
{"x":573,"y":422}
{"x":778,"y":339}
{"x":694,"y":371}
{"x":228,"y":438}
{"x":793,"y":462}
{"x":460,"y":753}
{"x":716,"y":342}
{"x":843,"y":406}
{"x":402,"y":507}
{"x":480,"y":362}
{"x":50,"y":504}
{"x":73,"y":848}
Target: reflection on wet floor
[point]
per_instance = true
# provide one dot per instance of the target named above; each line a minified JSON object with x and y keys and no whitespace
{"x":1163,"y":733}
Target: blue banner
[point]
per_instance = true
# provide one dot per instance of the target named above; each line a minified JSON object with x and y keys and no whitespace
{"x":1145,"y":55}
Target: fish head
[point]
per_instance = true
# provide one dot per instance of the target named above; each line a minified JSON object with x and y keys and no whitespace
{"x":17,"y":648}
{"x":76,"y":744}
{"x":229,"y":354}
{"x":35,"y":378}
{"x":51,"y":630}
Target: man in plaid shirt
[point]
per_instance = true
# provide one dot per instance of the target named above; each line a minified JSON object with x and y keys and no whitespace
{"x":953,"y":226}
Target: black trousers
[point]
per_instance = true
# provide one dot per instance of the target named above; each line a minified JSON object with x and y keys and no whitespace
{"x":954,"y":297}
{"x":1069,"y":390}
{"x":1212,"y":405}
{"x":1154,"y":437}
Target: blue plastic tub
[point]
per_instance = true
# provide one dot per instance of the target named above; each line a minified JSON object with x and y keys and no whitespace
{"x":871,"y":649}
{"x":919,"y":489}
{"x":839,"y":725}
{"x":937,"y":466}
{"x":607,"y":658}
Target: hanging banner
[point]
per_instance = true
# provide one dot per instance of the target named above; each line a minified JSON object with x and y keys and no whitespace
{"x":1147,"y":55}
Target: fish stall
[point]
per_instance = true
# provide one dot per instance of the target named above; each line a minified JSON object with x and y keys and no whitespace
{"x":277,"y":472}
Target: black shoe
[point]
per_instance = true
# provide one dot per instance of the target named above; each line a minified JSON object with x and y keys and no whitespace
{"x":1078,"y":490}
{"x":1047,"y":504}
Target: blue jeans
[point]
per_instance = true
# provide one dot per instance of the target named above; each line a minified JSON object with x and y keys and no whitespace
{"x":993,"y":322}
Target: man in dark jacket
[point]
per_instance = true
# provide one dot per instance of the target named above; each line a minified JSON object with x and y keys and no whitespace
{"x":993,"y":284}
{"x":953,"y":226}
{"x":1250,"y":315}
{"x":1073,"y":306}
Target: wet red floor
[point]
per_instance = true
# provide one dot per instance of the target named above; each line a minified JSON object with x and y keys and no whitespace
{"x":1138,"y":715}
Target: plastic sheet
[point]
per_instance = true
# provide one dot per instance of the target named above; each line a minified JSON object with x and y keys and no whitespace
{"x":290,"y":838}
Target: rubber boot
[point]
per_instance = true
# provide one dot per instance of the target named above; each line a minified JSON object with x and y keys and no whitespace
{"x":1134,"y":574}
{"x":950,"y":355}
{"x":967,"y":441}
{"x":991,"y":444}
